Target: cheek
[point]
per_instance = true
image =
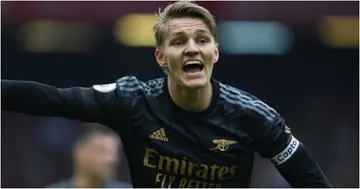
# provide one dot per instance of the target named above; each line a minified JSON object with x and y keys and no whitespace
{"x":173,"y":61}
{"x":86,"y":162}
{"x":211,"y":56}
{"x":97,"y":162}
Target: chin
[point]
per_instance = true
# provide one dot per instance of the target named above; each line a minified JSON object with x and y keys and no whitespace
{"x":195,"y":83}
{"x":104,"y":176}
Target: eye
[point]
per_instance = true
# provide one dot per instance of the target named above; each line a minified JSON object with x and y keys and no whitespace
{"x":202,"y":41}
{"x":178,"y":43}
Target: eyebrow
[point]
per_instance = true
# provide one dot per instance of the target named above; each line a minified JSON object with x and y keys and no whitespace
{"x":197,"y":31}
{"x":203,"y":31}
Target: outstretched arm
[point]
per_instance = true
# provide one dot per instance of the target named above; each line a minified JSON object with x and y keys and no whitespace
{"x":85,"y":104}
{"x":290,"y":156}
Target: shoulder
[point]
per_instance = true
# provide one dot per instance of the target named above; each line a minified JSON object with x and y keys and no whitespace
{"x":60,"y":184}
{"x":118,"y":184}
{"x":131,"y":85}
{"x":245,"y":102}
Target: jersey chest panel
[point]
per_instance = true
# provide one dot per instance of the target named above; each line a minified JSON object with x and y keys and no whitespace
{"x":180,"y":152}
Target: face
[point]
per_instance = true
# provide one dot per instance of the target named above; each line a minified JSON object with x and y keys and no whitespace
{"x":100,"y":155}
{"x":188,"y":53}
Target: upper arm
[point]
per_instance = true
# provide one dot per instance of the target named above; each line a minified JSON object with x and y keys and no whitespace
{"x":100,"y":103}
{"x":60,"y":184}
{"x":263,"y":125}
{"x":270,"y":135}
{"x":275,"y":141}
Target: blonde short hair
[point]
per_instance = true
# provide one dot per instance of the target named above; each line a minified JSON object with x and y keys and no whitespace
{"x":182,"y":9}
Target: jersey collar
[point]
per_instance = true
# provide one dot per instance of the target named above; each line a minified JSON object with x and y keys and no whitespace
{"x":202,"y":114}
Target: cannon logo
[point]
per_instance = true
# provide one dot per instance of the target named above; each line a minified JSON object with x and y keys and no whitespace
{"x":223,"y":144}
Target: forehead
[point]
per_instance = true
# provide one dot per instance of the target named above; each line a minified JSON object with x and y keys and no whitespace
{"x":187,"y":26}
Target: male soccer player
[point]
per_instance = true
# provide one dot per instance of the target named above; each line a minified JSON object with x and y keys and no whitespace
{"x":186,"y":129}
{"x":95,"y":155}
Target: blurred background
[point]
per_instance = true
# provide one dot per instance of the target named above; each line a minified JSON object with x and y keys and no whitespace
{"x":302,"y":58}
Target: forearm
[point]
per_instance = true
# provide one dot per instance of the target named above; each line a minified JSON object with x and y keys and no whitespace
{"x":301,"y":171}
{"x":32,"y":98}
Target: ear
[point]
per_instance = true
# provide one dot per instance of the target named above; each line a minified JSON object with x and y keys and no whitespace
{"x":216,"y":53}
{"x":160,"y":58}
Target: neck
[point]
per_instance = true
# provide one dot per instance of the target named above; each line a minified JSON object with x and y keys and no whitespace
{"x":87,"y":180}
{"x":193,"y":100}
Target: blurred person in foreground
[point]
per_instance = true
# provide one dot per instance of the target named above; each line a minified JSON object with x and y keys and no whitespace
{"x":185,"y":129}
{"x":96,"y":156}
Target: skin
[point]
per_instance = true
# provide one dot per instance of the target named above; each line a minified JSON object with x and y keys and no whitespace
{"x":95,"y":161}
{"x":188,"y":39}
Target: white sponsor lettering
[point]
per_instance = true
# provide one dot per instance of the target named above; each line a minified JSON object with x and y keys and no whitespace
{"x":284,"y":155}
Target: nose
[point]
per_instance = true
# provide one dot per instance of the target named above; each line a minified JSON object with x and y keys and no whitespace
{"x":191,"y":49}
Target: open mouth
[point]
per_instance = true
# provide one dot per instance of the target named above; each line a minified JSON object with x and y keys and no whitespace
{"x":193,"y":66}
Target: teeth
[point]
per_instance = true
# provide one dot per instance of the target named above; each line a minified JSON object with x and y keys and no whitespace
{"x":192,"y":62}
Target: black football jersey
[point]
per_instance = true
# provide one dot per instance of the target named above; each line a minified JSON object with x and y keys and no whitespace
{"x":165,"y":145}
